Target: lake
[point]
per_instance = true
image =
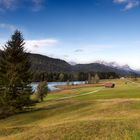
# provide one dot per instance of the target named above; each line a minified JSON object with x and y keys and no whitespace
{"x":51,"y":85}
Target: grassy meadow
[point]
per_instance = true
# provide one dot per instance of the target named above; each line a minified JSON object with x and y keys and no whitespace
{"x":103,"y":114}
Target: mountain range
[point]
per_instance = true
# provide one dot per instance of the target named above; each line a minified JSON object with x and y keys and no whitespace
{"x":41,"y":63}
{"x":117,"y":66}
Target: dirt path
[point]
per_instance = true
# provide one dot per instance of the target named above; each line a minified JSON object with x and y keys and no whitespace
{"x":79,"y":95}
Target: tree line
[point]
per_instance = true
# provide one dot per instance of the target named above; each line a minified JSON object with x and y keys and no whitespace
{"x":75,"y":76}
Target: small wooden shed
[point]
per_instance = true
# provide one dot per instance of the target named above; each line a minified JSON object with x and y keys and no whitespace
{"x":109,"y":85}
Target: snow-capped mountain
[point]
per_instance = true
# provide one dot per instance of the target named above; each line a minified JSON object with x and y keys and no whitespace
{"x":116,"y":65}
{"x":72,"y":63}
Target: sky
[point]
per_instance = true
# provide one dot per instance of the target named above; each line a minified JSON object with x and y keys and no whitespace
{"x":79,"y":31}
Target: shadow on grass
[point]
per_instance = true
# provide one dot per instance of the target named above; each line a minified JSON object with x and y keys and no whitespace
{"x":47,"y":112}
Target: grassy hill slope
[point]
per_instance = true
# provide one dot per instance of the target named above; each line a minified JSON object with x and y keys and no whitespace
{"x":109,"y":114}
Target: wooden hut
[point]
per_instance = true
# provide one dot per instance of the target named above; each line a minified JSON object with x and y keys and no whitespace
{"x":109,"y":85}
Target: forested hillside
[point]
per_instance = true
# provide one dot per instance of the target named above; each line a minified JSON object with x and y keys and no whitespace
{"x":42,"y":63}
{"x":44,"y":67}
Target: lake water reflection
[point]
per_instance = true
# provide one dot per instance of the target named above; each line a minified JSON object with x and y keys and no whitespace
{"x":51,"y":85}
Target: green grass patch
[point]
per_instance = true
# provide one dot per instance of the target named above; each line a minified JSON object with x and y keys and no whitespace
{"x":110,"y":114}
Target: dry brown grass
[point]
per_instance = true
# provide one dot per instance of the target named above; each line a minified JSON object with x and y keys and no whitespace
{"x":111,"y":114}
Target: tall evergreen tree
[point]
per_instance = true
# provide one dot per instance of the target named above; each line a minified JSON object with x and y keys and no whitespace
{"x":15,"y":76}
{"x":42,"y":90}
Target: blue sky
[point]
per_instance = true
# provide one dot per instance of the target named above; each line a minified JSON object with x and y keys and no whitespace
{"x":80,"y":31}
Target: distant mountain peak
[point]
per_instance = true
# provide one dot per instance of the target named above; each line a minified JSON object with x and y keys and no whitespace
{"x":115,"y":65}
{"x":72,"y":63}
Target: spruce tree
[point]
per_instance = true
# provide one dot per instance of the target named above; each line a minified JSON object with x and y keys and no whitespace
{"x":15,"y":76}
{"x":42,"y":90}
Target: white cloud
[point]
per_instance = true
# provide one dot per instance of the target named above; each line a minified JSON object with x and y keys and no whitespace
{"x":34,"y":5}
{"x":120,"y":1}
{"x":129,"y":4}
{"x":40,"y":46}
{"x":37,"y":5}
{"x":7,"y":26}
{"x":95,"y":47}
{"x":36,"y":45}
{"x":8,"y":4}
